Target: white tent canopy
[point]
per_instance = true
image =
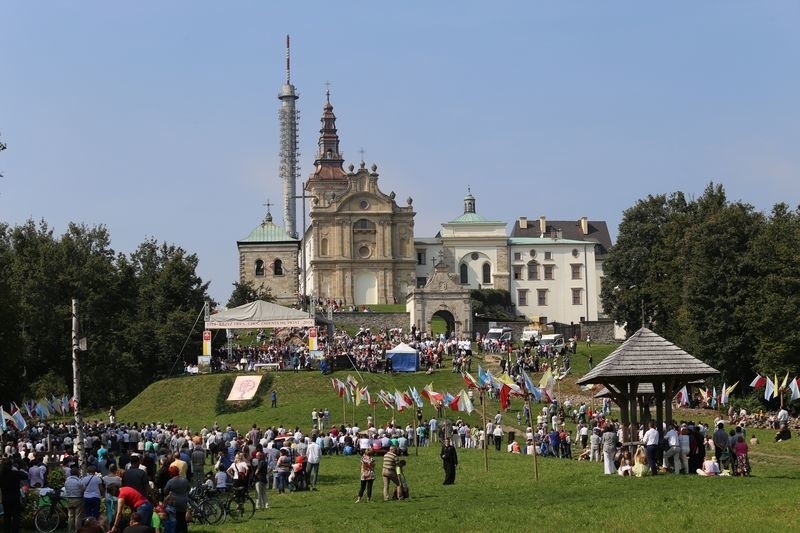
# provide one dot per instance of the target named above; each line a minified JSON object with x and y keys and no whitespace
{"x":402,"y":348}
{"x":259,"y":314}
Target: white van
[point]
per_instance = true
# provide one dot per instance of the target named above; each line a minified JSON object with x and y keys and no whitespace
{"x":499,"y":334}
{"x":530,"y":335}
{"x":556,"y":339}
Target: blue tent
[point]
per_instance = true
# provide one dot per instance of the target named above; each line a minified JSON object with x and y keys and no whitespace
{"x":404,"y":358}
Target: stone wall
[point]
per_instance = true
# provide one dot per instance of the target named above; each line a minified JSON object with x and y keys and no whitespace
{"x":374,"y":321}
{"x":601,"y":331}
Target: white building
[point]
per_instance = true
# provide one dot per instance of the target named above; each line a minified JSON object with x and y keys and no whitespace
{"x":552,"y":269}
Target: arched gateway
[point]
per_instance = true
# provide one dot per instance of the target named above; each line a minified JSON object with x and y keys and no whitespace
{"x":442,"y":296}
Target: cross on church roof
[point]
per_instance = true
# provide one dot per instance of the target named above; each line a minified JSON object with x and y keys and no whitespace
{"x":328,"y":91}
{"x":268,"y":218}
{"x":362,"y":152}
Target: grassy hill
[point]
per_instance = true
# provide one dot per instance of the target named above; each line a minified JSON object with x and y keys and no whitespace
{"x":568,"y":495}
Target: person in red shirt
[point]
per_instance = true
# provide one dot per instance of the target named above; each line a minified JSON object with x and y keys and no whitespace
{"x":130,"y":497}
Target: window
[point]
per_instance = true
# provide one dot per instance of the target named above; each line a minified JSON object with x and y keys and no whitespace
{"x":577,"y":296}
{"x":323,"y":247}
{"x":548,"y":256}
{"x":421,"y":259}
{"x":259,"y":267}
{"x":541,"y":297}
{"x":576,"y":271}
{"x":277,"y":268}
{"x":464,"y":273}
{"x":487,"y":273}
{"x":533,"y":270}
{"x":421,"y":281}
{"x":548,"y":271}
{"x":364,"y":225}
{"x":517,"y":272}
{"x":542,"y":319}
{"x":522,"y":297}
{"x":517,"y":256}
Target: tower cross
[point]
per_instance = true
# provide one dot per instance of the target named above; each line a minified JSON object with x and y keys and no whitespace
{"x":328,"y":91}
{"x":268,"y":204}
{"x":362,"y":152}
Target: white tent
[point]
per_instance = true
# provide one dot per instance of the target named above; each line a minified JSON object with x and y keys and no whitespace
{"x":259,"y":314}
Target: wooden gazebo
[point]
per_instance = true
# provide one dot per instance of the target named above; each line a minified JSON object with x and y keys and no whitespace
{"x":645,"y":367}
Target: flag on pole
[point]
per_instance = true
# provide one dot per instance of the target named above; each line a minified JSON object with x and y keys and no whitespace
{"x":785,"y":381}
{"x":769,"y":390}
{"x":399,"y":400}
{"x":505,"y":391}
{"x":723,"y":395}
{"x":18,"y":419}
{"x":714,"y":397}
{"x":795,"y":389}
{"x":683,"y":396}
{"x":484,"y":377}
{"x":417,"y":397}
{"x":3,"y":418}
{"x":462,"y":403}
{"x":471,"y":382}
{"x":732,"y":387}
{"x":758,"y":382}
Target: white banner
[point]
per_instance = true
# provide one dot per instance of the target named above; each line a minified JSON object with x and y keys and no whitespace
{"x":244,"y":388}
{"x":257,"y":324}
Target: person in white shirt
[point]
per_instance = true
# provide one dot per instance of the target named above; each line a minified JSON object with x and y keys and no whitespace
{"x":651,"y":438}
{"x":313,"y":455}
{"x":673,"y":450}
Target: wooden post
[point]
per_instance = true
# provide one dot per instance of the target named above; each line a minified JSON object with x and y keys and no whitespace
{"x":530,"y":424}
{"x":483,"y":430}
{"x":76,"y":387}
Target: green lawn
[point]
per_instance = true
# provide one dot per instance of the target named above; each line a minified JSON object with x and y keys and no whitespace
{"x":569,"y":494}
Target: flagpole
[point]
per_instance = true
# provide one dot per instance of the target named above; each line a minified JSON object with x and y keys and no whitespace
{"x":485,"y":436}
{"x":344,"y":411}
{"x":530,"y":425}
{"x":414,"y":423}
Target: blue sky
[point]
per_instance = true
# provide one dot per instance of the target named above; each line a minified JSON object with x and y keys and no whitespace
{"x":160,"y":118}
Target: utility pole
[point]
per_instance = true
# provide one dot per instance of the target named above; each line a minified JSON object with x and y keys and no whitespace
{"x":76,"y":387}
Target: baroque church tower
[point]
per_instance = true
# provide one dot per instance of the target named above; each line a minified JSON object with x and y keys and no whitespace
{"x":359,"y":247}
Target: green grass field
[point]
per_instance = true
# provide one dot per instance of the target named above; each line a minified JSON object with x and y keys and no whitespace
{"x":569,"y":495}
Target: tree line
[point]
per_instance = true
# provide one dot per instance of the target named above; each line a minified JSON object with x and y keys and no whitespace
{"x":136,"y":312}
{"x":716,"y":277}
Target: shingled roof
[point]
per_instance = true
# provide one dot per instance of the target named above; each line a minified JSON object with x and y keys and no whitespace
{"x":597,"y":232}
{"x":649,"y":357}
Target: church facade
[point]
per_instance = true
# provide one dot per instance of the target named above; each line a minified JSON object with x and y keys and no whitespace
{"x":359,"y":246}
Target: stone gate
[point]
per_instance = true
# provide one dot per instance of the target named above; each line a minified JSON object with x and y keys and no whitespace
{"x":443,"y":296}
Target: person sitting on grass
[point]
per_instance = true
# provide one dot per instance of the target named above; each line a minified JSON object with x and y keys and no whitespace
{"x":625,"y":464}
{"x":710,"y":467}
{"x":640,"y":467}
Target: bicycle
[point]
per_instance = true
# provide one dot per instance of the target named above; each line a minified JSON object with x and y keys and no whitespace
{"x":50,"y":515}
{"x":240,"y":506}
{"x":205,"y":509}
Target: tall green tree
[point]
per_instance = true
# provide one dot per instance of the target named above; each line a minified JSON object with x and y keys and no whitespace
{"x":11,"y":386}
{"x":246,"y":292}
{"x":716,"y":280}
{"x":774,"y":296}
